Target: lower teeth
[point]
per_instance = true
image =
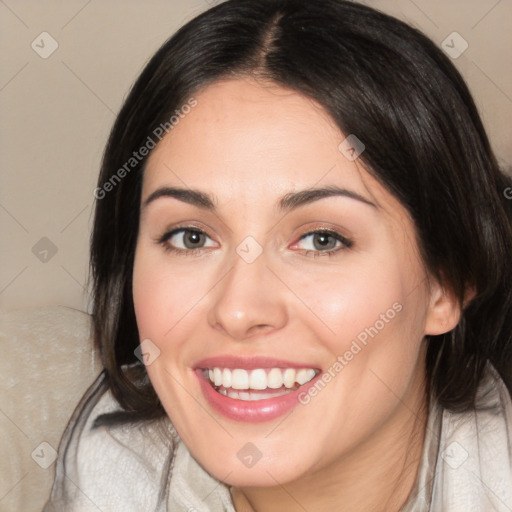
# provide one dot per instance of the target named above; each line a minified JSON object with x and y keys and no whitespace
{"x":249,"y":396}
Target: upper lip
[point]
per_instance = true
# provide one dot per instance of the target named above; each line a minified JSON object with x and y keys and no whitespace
{"x":249,"y":363}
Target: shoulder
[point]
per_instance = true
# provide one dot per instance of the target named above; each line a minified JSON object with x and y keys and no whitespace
{"x":474,"y":466}
{"x":106,"y":468}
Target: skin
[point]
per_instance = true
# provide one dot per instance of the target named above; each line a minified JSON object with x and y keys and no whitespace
{"x":249,"y":143}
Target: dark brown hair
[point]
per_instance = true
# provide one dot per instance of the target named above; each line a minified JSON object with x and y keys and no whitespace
{"x":424,"y":141}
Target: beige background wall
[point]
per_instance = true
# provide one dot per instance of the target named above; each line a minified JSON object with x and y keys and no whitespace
{"x":56,"y":112}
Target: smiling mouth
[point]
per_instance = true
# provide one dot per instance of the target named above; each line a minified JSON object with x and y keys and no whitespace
{"x":257,"y":384}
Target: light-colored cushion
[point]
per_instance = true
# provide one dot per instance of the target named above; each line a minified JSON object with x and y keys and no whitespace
{"x":46,"y":365}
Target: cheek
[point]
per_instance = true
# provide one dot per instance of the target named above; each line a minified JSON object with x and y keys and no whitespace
{"x":359,"y":296}
{"x":148,"y":287}
{"x":372,"y":318}
{"x":163,"y":296}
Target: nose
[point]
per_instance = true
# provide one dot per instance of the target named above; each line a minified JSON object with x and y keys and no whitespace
{"x":249,"y":301}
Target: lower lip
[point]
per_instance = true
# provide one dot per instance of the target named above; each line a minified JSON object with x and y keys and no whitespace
{"x":251,"y":411}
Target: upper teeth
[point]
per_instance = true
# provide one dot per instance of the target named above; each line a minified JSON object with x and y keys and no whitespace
{"x":260,"y":378}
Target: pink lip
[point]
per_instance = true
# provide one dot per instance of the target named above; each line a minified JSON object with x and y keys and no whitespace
{"x":250,"y":411}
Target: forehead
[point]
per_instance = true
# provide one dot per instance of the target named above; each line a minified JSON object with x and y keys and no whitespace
{"x":253,"y":142}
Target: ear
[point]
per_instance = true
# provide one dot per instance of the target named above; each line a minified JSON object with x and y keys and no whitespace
{"x":444,"y":310}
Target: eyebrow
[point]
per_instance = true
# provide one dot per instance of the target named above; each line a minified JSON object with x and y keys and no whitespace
{"x":288,"y":202}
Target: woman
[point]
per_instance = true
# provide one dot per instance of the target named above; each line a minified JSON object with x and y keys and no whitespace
{"x":302,"y":288}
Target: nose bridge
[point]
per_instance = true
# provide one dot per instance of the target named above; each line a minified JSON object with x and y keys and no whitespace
{"x":248,"y":299}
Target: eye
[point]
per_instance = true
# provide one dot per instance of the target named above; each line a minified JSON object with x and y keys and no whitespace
{"x":323,"y":242}
{"x":191,"y":240}
{"x":185,"y":240}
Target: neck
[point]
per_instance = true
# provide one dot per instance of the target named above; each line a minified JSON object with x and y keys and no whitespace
{"x":377,"y":476}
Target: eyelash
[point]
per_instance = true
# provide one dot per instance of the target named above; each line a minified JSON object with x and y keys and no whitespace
{"x":163,"y":240}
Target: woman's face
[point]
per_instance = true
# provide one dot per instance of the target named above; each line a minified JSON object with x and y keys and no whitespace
{"x":307,"y":310}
